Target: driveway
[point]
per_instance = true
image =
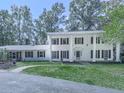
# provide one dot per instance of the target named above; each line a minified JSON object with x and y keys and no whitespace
{"x":21,"y":83}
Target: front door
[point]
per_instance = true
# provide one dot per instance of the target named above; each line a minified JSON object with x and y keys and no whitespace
{"x":78,"y":55}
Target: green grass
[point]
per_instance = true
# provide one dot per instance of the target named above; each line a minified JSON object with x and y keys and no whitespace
{"x":111,"y":75}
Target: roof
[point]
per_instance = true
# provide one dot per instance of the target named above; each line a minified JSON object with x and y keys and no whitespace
{"x":25,"y":47}
{"x":75,"y":32}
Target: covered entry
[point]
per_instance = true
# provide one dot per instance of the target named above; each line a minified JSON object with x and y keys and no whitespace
{"x":78,"y":55}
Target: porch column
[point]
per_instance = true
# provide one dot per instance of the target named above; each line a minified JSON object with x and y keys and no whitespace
{"x":71,"y":49}
{"x":117,"y":52}
{"x":35,"y":54}
{"x":50,"y":48}
{"x":94,"y":48}
{"x":23,"y":55}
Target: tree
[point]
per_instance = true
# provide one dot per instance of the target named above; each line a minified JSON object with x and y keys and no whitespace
{"x":50,"y":21}
{"x":4,"y":55}
{"x":17,"y":17}
{"x":23,"y":24}
{"x":27,"y":26}
{"x":84,"y":14}
{"x":115,"y":27}
{"x":111,"y":4}
{"x":7,"y":36}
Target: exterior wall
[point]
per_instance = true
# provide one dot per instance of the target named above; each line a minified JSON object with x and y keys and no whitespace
{"x":35,"y":49}
{"x":84,"y":48}
{"x":35,"y":56}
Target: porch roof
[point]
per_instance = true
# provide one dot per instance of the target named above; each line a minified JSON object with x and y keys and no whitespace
{"x":24,"y":47}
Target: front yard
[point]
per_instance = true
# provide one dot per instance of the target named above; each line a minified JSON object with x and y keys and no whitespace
{"x":106,"y":75}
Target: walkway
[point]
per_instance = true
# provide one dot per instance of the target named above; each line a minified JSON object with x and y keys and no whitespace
{"x":19,"y":69}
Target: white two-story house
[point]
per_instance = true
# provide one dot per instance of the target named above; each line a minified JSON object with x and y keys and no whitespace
{"x":75,"y":46}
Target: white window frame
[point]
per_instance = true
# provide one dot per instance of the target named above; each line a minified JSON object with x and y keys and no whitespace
{"x":41,"y":54}
{"x":79,"y":40}
{"x":65,"y":54}
{"x":55,"y":54}
{"x":29,"y":54}
{"x":64,"y":41}
{"x":55,"y":41}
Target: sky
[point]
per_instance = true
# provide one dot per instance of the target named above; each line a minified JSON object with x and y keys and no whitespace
{"x":36,"y":6}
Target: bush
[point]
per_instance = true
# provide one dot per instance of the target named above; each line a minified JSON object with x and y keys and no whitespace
{"x":122,"y":59}
{"x":4,"y":55}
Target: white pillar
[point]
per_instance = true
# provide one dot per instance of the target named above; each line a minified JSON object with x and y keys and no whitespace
{"x":94,"y":48}
{"x":71,"y":49}
{"x":112,"y":57}
{"x":35,"y":54}
{"x":23,"y":55}
{"x":50,"y":48}
{"x":118,"y":52}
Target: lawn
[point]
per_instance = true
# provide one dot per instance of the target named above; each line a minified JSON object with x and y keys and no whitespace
{"x":111,"y":75}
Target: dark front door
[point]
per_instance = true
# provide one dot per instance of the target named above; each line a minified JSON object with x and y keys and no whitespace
{"x":78,"y":54}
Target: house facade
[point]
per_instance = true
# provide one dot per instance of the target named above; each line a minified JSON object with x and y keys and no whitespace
{"x":68,"y":46}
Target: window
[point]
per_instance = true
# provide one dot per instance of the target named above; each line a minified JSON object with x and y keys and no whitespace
{"x":91,"y":40}
{"x":65,"y":54}
{"x":55,"y":54}
{"x":29,"y":54}
{"x":91,"y":53}
{"x":64,"y":41}
{"x":97,"y":40}
{"x":97,"y":53}
{"x":41,"y":54}
{"x":55,"y":41}
{"x":10,"y":55}
{"x":106,"y":54}
{"x":79,"y":40}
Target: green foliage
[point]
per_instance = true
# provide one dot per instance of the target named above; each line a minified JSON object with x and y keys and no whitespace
{"x":7,"y":36}
{"x":3,"y":55}
{"x":50,"y":21}
{"x":115,"y":27}
{"x":23,"y":25}
{"x":18,"y":26}
{"x":84,"y":15}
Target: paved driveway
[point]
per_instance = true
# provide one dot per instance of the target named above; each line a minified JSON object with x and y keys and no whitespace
{"x":22,"y":83}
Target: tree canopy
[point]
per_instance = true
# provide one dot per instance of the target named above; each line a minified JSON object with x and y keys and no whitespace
{"x":115,"y":27}
{"x":18,"y":27}
{"x":84,"y":15}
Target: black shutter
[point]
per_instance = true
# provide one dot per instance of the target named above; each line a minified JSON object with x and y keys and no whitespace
{"x":102,"y":53}
{"x":109,"y":53}
{"x":82,"y":40}
{"x":91,"y":40}
{"x":91,"y":53}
